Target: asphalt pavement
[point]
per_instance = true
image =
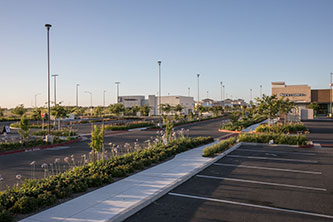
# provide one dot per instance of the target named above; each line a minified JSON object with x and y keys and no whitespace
{"x":253,"y":183}
{"x":19,"y":163}
{"x":321,"y":131}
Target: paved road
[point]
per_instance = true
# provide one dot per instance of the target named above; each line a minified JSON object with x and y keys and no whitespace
{"x":253,"y":183}
{"x":321,"y":131}
{"x":11,"y":165}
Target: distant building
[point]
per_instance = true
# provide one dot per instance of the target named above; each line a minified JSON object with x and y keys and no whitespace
{"x":303,"y":95}
{"x":185,"y":101}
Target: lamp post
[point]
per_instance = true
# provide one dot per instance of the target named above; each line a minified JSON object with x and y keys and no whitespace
{"x":104,"y":98}
{"x":223,"y":92}
{"x":189,"y":91}
{"x":117,"y":83}
{"x":159,"y":88}
{"x":250,"y":95}
{"x":207,"y":95}
{"x":331,"y":84}
{"x":36,"y":99}
{"x":48,"y":26}
{"x":260,"y":91}
{"x":55,"y":88}
{"x":77,"y":95}
{"x":221,"y":83}
{"x":198,"y":75}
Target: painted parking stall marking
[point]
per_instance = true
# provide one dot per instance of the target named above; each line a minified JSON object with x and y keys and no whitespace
{"x":268,"y":168}
{"x":252,"y":205}
{"x":269,"y":158}
{"x":278,"y":151}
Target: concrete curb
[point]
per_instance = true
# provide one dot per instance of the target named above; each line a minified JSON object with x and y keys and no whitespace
{"x":142,"y":204}
{"x":275,"y":145}
{"x":40,"y":147}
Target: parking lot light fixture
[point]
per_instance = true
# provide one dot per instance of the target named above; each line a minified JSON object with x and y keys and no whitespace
{"x":117,"y":83}
{"x":48,"y":26}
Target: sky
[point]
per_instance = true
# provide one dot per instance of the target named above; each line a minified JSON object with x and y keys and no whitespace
{"x":243,"y":43}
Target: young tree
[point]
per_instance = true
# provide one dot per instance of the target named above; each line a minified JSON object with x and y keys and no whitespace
{"x":216,"y":110}
{"x":1,"y":112}
{"x":285,"y":107}
{"x":19,"y":110}
{"x":269,"y":106}
{"x":59,"y":112}
{"x":166,"y":108}
{"x":98,"y":111}
{"x":97,"y":140}
{"x":24,"y":128}
{"x":178,"y":108}
{"x":144,"y":110}
{"x":315,"y":107}
{"x":135,"y":110}
{"x":37,"y":113}
{"x":117,"y":108}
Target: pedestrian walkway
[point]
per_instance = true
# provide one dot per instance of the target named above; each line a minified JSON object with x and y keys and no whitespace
{"x":121,"y":199}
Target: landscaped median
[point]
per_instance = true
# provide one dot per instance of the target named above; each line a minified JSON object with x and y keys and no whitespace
{"x":35,"y":194}
{"x":127,"y":126}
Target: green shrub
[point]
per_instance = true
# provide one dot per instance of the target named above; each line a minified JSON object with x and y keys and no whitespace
{"x":33,"y":194}
{"x":219,"y":147}
{"x":242,"y":124}
{"x":298,"y":139}
{"x":26,"y":144}
{"x":62,"y":132}
{"x":25,"y":205}
{"x":5,"y":216}
{"x":282,"y":128}
{"x":127,"y":126}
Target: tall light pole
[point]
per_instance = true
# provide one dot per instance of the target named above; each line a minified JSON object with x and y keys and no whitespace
{"x":198,"y":75}
{"x":260,"y":91}
{"x":159,"y":87}
{"x":223,"y":92}
{"x":189,"y":91}
{"x":48,"y":26}
{"x":117,"y":83}
{"x":331,"y":84}
{"x":77,"y":95}
{"x":90,"y":97}
{"x":221,"y":83}
{"x":55,"y":88}
{"x":250,"y":94}
{"x":36,"y":99}
{"x":207,"y":95}
{"x":104,"y":98}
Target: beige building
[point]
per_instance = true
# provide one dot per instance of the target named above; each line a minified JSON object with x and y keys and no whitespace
{"x":303,"y":95}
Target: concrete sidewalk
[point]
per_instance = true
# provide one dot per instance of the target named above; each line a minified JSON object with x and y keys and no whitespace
{"x":117,"y":201}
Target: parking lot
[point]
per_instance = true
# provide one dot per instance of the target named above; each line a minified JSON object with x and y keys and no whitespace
{"x":253,"y":183}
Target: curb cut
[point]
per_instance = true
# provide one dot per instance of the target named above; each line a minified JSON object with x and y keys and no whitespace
{"x":134,"y":209}
{"x":40,"y":147}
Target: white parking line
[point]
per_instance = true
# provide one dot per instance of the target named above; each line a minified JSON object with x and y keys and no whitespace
{"x":277,"y":151}
{"x":252,"y":205}
{"x":268,"y":168}
{"x":268,"y":158}
{"x":261,"y":182}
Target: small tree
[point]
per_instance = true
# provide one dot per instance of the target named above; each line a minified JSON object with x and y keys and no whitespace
{"x":315,"y":107}
{"x":19,"y":110}
{"x":59,"y":112}
{"x":24,"y":128}
{"x":285,"y":107}
{"x":144,"y":110}
{"x":269,"y":106}
{"x":166,"y":108}
{"x":117,"y":108}
{"x":135,"y":110}
{"x":98,"y":111}
{"x":97,"y":140}
{"x":1,"y":112}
